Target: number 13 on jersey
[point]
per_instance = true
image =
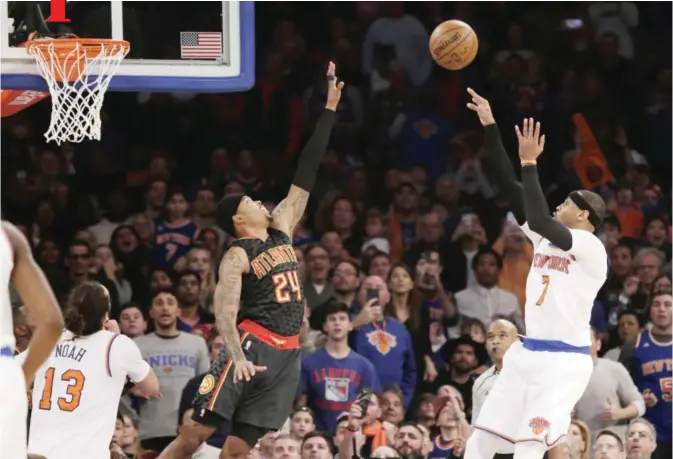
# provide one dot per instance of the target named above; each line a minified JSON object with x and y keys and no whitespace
{"x":285,"y":284}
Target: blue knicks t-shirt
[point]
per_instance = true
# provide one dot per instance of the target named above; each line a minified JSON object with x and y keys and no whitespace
{"x":653,"y":371}
{"x":332,"y":384}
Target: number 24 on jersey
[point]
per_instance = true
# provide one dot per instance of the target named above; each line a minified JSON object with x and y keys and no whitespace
{"x":285,"y":284}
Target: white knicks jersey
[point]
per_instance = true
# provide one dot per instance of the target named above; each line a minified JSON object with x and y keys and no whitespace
{"x":76,"y":394}
{"x":6,"y":268}
{"x":561,"y":287}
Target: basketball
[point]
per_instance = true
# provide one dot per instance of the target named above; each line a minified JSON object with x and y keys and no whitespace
{"x":453,"y":44}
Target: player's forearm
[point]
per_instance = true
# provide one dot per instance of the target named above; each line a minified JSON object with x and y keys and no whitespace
{"x":537,"y":211}
{"x":44,"y":339}
{"x":225,"y":318}
{"x":314,"y":150}
{"x":504,"y":175}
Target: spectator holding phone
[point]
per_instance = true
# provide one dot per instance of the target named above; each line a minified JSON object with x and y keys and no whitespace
{"x":364,"y":432}
{"x":386,"y":342}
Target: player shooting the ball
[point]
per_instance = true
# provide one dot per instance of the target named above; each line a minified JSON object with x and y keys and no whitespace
{"x":544,"y":375}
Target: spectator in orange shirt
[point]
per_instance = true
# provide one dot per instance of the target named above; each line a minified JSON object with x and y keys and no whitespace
{"x":628,"y":213}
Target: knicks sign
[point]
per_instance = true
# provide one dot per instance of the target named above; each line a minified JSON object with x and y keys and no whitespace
{"x":57,"y":13}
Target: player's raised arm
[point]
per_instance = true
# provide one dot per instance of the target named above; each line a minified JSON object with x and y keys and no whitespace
{"x":287,"y":214}
{"x":531,"y":145}
{"x":39,"y":299}
{"x":495,"y":154}
{"x":234,"y":264}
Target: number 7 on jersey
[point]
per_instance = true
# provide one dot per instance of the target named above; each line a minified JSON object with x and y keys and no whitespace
{"x":545,"y":282}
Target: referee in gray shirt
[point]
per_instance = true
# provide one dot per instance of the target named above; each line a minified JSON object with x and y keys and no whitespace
{"x":500,"y":335}
{"x":611,"y":399}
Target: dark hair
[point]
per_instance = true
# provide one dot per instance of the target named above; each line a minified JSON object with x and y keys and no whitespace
{"x":632,"y":312}
{"x":468,"y":323}
{"x":302,"y":409}
{"x":175,"y":191}
{"x":163,"y":290}
{"x":133,"y":306}
{"x":649,"y":219}
{"x":333,"y":306}
{"x":316,"y":434}
{"x":610,"y":433}
{"x":624,"y":246}
{"x":367,"y":262}
{"x":79,"y":243}
{"x":486,"y":251}
{"x":87,"y":306}
{"x":413,"y":302}
{"x":313,"y":247}
{"x":187,"y":273}
{"x":353,"y":265}
{"x":394,"y":389}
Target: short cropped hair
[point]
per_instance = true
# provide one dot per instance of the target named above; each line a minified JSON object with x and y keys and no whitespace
{"x":645,"y":422}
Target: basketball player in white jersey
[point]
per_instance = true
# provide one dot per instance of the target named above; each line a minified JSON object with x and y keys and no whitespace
{"x":545,"y":374}
{"x":76,"y":392}
{"x":18,"y":267}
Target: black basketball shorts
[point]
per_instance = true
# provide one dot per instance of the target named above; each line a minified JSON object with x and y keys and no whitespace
{"x":266,"y":400}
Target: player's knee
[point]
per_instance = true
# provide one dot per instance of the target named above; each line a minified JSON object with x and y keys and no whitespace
{"x":192,"y":433}
{"x":529,"y":450}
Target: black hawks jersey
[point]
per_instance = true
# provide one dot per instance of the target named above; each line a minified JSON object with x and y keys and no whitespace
{"x":271,"y":292}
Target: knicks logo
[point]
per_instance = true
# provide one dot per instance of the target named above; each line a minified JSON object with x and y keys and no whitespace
{"x":382,"y":341}
{"x":207,"y":385}
{"x":538,"y":425}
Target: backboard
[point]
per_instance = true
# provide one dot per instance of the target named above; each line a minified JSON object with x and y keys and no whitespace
{"x":196,"y":46}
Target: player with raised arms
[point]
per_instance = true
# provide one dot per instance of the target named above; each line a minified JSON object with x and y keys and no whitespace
{"x":76,"y":392}
{"x":545,"y":374}
{"x":18,"y":267}
{"x":253,"y":384}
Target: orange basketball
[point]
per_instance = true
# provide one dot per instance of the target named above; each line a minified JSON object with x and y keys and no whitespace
{"x":453,"y":44}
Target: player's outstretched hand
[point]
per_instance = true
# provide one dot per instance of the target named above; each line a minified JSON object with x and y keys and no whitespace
{"x":334,"y":88}
{"x":245,"y":370}
{"x":481,"y":107}
{"x":531,"y":143}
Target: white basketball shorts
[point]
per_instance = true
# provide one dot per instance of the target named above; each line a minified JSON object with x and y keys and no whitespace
{"x":534,"y":395}
{"x":13,"y":410}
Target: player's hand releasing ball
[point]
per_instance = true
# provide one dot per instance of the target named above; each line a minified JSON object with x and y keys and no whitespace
{"x":481,"y":107}
{"x":334,"y":88}
{"x":531,"y":144}
{"x":244,"y":369}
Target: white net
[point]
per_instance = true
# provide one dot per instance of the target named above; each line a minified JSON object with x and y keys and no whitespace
{"x":78,"y":76}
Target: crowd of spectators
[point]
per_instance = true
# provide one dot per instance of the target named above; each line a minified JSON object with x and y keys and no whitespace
{"x":404,"y":224}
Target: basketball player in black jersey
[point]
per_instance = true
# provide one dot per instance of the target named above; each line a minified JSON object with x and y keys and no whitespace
{"x":253,"y":384}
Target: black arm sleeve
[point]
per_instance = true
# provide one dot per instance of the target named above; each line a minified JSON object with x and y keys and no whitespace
{"x":537,"y":211}
{"x":504,"y":175}
{"x":314,"y":150}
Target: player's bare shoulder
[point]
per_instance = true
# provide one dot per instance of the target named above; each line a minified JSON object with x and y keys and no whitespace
{"x":16,"y":239}
{"x":234,"y":263}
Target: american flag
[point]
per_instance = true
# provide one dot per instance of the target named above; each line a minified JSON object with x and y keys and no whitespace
{"x":200,"y":45}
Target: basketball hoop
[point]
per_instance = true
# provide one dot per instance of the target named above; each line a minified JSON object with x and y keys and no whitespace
{"x":78,"y":72}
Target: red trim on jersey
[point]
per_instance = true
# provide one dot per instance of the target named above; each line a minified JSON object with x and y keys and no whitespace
{"x":268,"y":337}
{"x":107,"y":355}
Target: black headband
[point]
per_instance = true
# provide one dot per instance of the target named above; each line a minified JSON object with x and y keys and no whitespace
{"x":225,"y":211}
{"x":580,"y":202}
